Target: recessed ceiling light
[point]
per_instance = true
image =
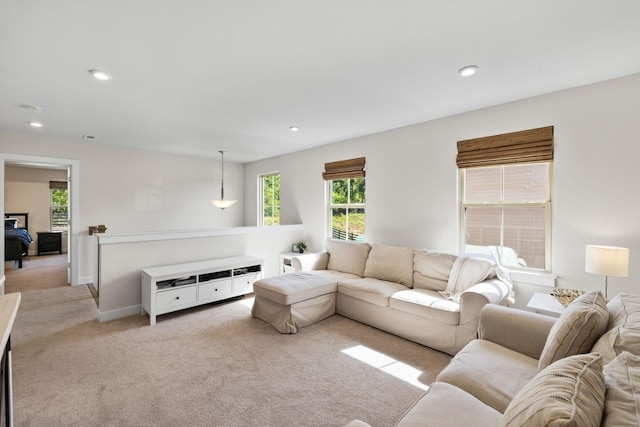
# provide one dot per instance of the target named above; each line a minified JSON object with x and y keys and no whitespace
{"x":467,"y":71}
{"x":100,"y":75}
{"x":35,"y":124}
{"x":294,"y":128}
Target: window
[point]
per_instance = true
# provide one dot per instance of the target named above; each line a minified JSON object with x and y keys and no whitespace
{"x":505,"y":202}
{"x":346,"y":188}
{"x":270,"y":205}
{"x":58,"y":205}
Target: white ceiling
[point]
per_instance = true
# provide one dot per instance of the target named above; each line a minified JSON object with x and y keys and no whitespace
{"x":197,"y":76}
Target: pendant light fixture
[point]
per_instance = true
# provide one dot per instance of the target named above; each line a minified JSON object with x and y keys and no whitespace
{"x":222,"y":203}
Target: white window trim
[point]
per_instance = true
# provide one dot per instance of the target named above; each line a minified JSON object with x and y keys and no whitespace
{"x":330,"y":206}
{"x":260,"y":210}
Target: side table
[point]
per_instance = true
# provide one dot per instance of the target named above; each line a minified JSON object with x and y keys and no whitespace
{"x":285,"y":261}
{"x":544,"y":303}
{"x":49,"y":241}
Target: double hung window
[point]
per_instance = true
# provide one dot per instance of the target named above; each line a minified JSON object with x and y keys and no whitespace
{"x":346,"y":189}
{"x":270,"y":199}
{"x":505,"y":197}
{"x":58,"y":205}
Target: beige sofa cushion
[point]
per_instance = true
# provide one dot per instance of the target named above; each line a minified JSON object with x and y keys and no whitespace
{"x":569,"y":392}
{"x":492,"y":373}
{"x":346,"y":256}
{"x":622,"y":399}
{"x":373,"y":291}
{"x":428,"y":304}
{"x":287,"y":289}
{"x":431,"y":269}
{"x":577,"y":329}
{"x":623,"y":330}
{"x":444,"y":405}
{"x":390,"y":263}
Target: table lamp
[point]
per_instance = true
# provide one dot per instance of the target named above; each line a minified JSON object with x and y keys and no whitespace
{"x":607,"y":261}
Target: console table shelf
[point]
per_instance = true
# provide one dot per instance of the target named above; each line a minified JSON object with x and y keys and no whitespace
{"x":175,"y":287}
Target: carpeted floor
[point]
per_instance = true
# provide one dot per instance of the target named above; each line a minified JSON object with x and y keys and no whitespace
{"x":213,"y":365}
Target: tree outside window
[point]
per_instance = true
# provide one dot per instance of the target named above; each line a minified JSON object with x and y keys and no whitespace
{"x":347,"y":209}
{"x":270,"y":190}
{"x":59,"y":207}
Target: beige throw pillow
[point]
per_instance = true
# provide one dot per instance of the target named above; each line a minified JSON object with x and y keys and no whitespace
{"x":346,"y":256}
{"x":577,"y":329}
{"x":622,"y":399}
{"x":623,"y":330}
{"x":431,"y":269}
{"x":569,"y":392}
{"x":390,"y":263}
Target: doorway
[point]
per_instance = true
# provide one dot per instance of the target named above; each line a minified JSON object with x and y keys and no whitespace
{"x":71,"y":167}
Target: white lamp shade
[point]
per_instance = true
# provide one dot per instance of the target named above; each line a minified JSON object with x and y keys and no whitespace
{"x":222,"y":204}
{"x":607,"y":261}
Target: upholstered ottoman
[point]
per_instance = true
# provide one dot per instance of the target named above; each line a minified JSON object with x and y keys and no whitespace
{"x":294,"y":300}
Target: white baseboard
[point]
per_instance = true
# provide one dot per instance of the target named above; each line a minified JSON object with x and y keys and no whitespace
{"x":85,"y":280}
{"x":105,"y":316}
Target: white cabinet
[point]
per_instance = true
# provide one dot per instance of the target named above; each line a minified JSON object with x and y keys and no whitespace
{"x":176,"y":287}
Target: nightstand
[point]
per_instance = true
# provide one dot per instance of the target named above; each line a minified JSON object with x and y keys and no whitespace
{"x":49,"y":241}
{"x":544,"y":303}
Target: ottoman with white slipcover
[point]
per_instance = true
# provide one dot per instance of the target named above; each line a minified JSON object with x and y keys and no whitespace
{"x":292,"y":301}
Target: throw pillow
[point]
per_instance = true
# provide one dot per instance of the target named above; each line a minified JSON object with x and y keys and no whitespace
{"x":346,"y":256}
{"x":577,"y":328}
{"x":623,"y":330}
{"x":569,"y":392}
{"x":622,"y":399}
{"x":390,"y":263}
{"x":431,"y":269}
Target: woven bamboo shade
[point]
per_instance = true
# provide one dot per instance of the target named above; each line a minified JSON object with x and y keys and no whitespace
{"x":527,"y":146}
{"x":343,"y":169}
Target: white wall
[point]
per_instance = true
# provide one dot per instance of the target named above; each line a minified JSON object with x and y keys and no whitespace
{"x":132,"y":190}
{"x":412,"y":178}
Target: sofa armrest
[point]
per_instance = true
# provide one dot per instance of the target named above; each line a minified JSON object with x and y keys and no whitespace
{"x":472,"y":300}
{"x":306,"y":262}
{"x":518,"y":330}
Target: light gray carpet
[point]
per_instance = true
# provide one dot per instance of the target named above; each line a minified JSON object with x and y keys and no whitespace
{"x":209,"y":366}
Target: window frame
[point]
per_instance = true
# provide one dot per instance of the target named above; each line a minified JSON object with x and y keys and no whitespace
{"x":546,"y":205}
{"x":52,"y":207}
{"x":346,"y":206}
{"x":261,"y":205}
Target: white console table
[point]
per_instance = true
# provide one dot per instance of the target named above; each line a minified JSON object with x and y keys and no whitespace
{"x":175,"y":287}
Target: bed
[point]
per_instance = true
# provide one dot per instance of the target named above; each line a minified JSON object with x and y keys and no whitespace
{"x":16,"y":237}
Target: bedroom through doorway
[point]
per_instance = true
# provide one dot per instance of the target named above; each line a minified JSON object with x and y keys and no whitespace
{"x":38,"y":188}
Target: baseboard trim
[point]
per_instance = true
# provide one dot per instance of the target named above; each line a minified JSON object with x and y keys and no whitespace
{"x":105,"y":316}
{"x":85,"y":280}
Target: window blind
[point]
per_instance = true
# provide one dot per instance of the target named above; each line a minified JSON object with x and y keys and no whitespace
{"x":527,"y":146}
{"x":351,"y":168}
{"x":57,"y":185}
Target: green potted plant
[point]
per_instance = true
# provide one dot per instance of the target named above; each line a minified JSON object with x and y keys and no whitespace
{"x":301,"y":245}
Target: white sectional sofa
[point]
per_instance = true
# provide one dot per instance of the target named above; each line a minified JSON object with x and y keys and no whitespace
{"x":527,"y":369}
{"x":429,"y":297}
